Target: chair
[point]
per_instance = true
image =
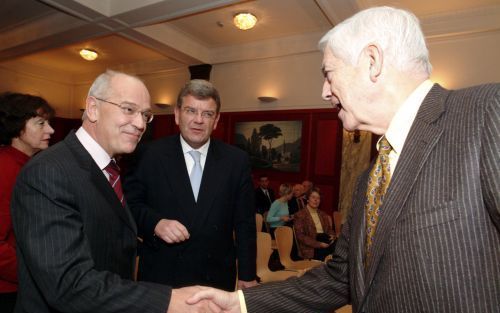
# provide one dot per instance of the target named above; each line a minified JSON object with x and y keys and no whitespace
{"x":263,"y":254}
{"x":268,"y":229}
{"x":258,"y":221}
{"x":344,"y":309}
{"x":337,"y":222}
{"x":264,"y":218}
{"x":284,"y":241}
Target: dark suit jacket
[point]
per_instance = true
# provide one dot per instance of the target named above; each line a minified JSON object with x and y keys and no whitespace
{"x":305,"y":231}
{"x":76,"y":243}
{"x":262,"y":202}
{"x":159,"y":187}
{"x":437,"y":244}
{"x":293,"y":205}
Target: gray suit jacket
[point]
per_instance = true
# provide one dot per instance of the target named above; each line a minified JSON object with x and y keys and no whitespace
{"x":437,"y":245}
{"x":76,"y":243}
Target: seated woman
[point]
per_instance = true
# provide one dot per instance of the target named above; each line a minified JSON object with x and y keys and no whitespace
{"x":313,"y":230}
{"x":278,"y":212}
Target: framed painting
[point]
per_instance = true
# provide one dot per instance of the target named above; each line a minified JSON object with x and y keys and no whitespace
{"x":271,"y":144}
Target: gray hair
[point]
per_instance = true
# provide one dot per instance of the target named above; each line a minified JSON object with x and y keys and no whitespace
{"x":200,"y":89}
{"x":396,"y":31}
{"x":101,"y":86}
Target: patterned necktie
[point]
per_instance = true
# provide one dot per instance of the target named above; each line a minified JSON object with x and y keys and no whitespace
{"x":196,"y":173}
{"x":114,"y":179}
{"x":378,"y":181}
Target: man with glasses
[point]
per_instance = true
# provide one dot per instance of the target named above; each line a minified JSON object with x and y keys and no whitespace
{"x":76,"y":236}
{"x":192,"y":198}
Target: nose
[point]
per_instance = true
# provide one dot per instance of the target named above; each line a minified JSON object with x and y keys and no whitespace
{"x":138,"y":122}
{"x":326,"y":94}
{"x":49,"y":129}
{"x":198,"y":118}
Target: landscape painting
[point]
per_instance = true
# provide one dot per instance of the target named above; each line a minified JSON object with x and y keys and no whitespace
{"x":271,"y":144}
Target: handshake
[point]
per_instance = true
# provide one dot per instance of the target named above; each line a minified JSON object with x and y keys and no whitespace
{"x":199,"y":299}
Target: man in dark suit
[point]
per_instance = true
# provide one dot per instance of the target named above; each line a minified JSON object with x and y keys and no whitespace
{"x":194,"y":229}
{"x":264,"y":196}
{"x":76,"y":238}
{"x":433,"y":243}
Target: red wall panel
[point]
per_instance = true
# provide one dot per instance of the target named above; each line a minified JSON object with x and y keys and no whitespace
{"x":321,"y":145}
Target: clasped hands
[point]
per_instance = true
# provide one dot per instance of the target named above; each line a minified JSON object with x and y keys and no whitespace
{"x":198,"y":299}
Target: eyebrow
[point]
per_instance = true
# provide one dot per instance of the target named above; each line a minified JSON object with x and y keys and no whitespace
{"x":323,"y":70}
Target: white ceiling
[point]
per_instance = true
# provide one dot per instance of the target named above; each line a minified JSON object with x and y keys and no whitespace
{"x":150,"y":36}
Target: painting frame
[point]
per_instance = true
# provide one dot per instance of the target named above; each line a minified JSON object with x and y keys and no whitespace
{"x":271,"y":144}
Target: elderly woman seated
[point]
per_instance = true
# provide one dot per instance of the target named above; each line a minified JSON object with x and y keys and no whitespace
{"x":313,"y":230}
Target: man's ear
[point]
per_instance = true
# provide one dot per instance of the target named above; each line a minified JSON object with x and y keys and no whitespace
{"x":91,"y":109}
{"x":177,"y":113}
{"x":375,"y":57}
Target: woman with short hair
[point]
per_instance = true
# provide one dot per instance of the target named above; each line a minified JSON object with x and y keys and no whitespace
{"x":24,"y":130}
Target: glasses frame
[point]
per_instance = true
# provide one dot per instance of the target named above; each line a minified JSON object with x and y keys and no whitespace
{"x":147,"y":116}
{"x":206,"y":115}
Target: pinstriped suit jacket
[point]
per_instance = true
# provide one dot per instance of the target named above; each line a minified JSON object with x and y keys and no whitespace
{"x":437,"y":245}
{"x":76,"y":243}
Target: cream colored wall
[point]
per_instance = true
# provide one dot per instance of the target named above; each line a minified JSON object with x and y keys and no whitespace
{"x":58,"y":94}
{"x":466,"y":60}
{"x":295,"y":80}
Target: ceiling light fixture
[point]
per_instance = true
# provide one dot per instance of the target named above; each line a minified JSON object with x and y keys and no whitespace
{"x":244,"y":21}
{"x":88,"y":54}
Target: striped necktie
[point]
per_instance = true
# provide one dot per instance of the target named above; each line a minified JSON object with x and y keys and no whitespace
{"x":114,"y":179}
{"x":378,"y":182}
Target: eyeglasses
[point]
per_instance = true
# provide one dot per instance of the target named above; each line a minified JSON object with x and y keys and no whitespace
{"x":207,"y":115}
{"x":130,"y":110}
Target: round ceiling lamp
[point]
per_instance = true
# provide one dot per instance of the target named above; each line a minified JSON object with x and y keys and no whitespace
{"x":88,"y":54}
{"x":244,"y":21}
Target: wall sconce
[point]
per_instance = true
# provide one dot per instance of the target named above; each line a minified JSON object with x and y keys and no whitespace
{"x":267,"y":99}
{"x":162,"y":106}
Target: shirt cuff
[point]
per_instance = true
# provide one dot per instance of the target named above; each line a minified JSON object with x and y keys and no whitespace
{"x":243,"y":306}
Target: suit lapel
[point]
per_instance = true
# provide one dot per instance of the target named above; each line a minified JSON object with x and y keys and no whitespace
{"x":85,"y":161}
{"x":423,"y":136}
{"x":210,"y":182}
{"x":358,"y":236}
{"x":176,"y":173}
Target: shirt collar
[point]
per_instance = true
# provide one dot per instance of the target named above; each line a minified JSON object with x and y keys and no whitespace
{"x":100,"y":156}
{"x":403,"y":119}
{"x":186,"y":147}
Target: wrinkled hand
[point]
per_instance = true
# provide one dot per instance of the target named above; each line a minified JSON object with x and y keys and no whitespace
{"x":178,"y":302}
{"x":219,"y":301}
{"x":242,"y":284}
{"x":171,"y":231}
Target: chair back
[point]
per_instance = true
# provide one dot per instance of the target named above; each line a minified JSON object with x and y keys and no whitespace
{"x":337,"y":222}
{"x":258,"y":221}
{"x":264,"y":218}
{"x":264,"y":251}
{"x":284,"y":243}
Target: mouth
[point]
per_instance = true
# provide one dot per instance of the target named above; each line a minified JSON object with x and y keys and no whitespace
{"x":197,"y":130}
{"x":136,"y":136}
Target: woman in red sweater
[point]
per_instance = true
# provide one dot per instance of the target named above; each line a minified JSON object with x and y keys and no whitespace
{"x":24,"y":130}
